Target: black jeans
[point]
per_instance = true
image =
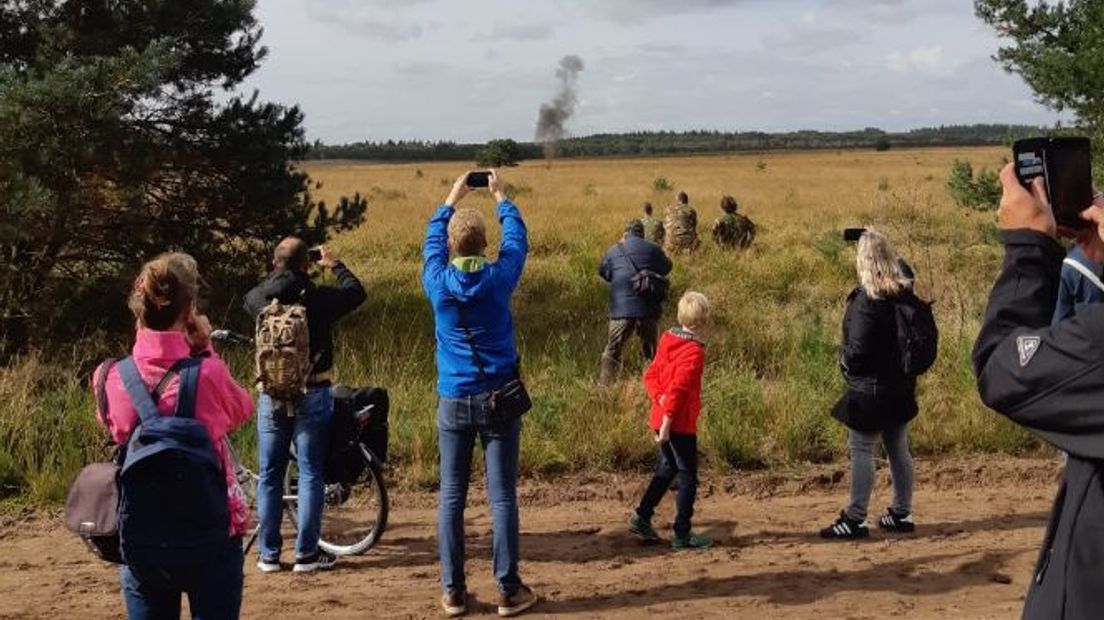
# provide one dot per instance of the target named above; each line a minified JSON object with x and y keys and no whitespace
{"x":678,"y":458}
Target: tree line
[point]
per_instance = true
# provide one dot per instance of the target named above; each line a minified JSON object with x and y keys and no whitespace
{"x":653,"y":143}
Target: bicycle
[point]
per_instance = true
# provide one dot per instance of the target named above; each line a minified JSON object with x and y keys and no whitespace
{"x":354,"y":513}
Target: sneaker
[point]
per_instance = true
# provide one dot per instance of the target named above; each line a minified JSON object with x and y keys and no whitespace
{"x":845,"y":528}
{"x":319,"y":560}
{"x":455,"y":603}
{"x":691,"y":541}
{"x":893,"y":521}
{"x":642,"y":529}
{"x":513,"y":604}
{"x":268,"y":566}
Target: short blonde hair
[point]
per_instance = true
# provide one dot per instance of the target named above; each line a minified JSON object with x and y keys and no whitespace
{"x":693,"y":310}
{"x":879,"y":267}
{"x":467,"y":233}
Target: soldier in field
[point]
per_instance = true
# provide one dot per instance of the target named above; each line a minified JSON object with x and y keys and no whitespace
{"x":732,"y":229}
{"x":681,"y":227}
{"x":653,"y":226}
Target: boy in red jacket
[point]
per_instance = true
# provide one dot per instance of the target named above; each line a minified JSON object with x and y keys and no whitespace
{"x":673,"y":381}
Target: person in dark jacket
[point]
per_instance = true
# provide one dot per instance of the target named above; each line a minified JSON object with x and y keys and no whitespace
{"x":880,"y":398}
{"x":309,"y":424}
{"x":1049,"y":379}
{"x":629,"y":312}
{"x":476,"y":355}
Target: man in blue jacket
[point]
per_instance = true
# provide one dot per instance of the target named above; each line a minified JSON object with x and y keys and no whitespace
{"x":476,"y":355}
{"x":1081,"y":274}
{"x":629,"y":312}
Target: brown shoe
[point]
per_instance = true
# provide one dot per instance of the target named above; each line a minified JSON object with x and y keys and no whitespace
{"x":455,"y":603}
{"x":514,"y":604}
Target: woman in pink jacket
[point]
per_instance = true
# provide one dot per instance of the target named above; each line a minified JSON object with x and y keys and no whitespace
{"x":170,"y":329}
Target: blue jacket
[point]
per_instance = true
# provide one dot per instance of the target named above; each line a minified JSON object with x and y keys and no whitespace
{"x":618,"y":271}
{"x":1075,"y":287}
{"x":484,"y":297}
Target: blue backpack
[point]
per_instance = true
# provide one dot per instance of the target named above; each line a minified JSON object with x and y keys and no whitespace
{"x":172,"y":490}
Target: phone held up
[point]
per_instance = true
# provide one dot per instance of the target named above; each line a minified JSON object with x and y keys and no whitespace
{"x":852,"y":235}
{"x":478,"y":179}
{"x":1065,"y":164}
{"x":314,"y":255}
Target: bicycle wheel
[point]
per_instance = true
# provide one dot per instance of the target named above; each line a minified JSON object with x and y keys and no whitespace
{"x":355,"y":515}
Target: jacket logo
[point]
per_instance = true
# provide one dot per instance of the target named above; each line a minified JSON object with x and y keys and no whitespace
{"x":1028,"y":346}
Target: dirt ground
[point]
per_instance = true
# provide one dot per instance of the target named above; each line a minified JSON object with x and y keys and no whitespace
{"x":980,"y":524}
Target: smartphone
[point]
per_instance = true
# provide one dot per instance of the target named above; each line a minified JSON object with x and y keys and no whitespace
{"x":852,"y":235}
{"x":314,"y":255}
{"x":1065,"y":164}
{"x":479,"y":178}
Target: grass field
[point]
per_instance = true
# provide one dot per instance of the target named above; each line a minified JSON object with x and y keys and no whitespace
{"x":771,"y":373}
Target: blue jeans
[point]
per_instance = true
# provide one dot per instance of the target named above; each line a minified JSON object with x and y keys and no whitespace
{"x":309,"y":428}
{"x":153,"y":583}
{"x":459,"y":422}
{"x":678,"y":460}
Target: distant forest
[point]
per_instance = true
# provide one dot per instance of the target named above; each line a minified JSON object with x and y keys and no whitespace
{"x":653,"y":143}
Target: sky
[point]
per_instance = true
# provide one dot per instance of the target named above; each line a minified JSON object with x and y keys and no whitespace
{"x":474,"y":70}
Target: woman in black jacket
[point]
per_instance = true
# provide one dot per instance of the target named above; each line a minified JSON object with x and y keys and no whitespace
{"x":880,"y":399}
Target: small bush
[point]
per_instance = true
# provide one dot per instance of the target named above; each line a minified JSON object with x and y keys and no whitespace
{"x":980,"y":192}
{"x":883,"y":184}
{"x":761,"y":166}
{"x":883,"y":144}
{"x":515,"y":191}
{"x":661,"y":184}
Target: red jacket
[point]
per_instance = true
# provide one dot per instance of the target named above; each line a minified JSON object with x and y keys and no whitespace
{"x":673,"y":381}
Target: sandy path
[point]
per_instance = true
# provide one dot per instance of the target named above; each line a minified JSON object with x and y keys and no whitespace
{"x":981,"y":524}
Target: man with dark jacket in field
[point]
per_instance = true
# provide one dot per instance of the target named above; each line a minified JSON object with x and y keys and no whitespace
{"x":628,"y":311}
{"x":308,"y":425}
{"x":1050,"y":380}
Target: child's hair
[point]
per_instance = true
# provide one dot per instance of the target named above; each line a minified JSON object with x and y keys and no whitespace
{"x":467,"y":233}
{"x":693,"y":310}
{"x":166,"y":288}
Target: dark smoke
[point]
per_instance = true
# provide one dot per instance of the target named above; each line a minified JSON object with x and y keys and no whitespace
{"x":553,"y":115}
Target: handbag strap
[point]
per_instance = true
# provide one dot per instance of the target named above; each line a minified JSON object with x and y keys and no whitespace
{"x":471,"y":344}
{"x":101,"y":389}
{"x":621,"y":247}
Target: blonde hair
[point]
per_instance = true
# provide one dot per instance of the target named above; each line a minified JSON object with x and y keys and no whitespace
{"x":693,"y":310}
{"x":879,"y":267}
{"x":165,"y":290}
{"x":467,"y":233}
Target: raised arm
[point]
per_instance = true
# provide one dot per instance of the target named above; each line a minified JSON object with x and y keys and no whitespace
{"x":515,"y":237}
{"x":1050,"y":380}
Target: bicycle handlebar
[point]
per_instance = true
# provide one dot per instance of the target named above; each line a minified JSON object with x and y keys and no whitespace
{"x":225,"y":335}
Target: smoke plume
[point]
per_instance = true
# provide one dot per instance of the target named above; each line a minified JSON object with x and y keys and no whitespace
{"x":554,"y":115}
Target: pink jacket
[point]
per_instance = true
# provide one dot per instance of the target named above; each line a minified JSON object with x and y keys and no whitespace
{"x":221,"y":404}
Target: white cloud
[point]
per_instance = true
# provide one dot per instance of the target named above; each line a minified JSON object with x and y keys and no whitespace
{"x":931,"y":61}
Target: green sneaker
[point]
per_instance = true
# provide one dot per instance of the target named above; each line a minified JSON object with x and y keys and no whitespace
{"x":642,"y":529}
{"x":691,"y":541}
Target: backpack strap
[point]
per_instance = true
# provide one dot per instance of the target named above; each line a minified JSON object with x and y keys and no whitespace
{"x":144,"y":402}
{"x":1085,"y":271}
{"x":621,"y":247}
{"x":188,"y":369}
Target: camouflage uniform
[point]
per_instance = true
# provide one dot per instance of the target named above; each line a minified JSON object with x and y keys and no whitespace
{"x":733,"y":230}
{"x":682,"y":229}
{"x":653,"y":229}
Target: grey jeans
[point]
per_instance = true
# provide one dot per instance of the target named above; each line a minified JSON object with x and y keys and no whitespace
{"x":863,"y":445}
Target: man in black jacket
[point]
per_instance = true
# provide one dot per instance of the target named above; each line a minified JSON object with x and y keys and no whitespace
{"x":1050,"y":380}
{"x":308,"y":425}
{"x":628,"y":311}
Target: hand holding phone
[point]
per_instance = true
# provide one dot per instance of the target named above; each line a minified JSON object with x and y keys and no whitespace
{"x":1065,"y":166}
{"x":478,"y":179}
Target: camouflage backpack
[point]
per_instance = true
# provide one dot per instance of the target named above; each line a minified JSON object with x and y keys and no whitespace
{"x":653,"y":229}
{"x":283,"y":351}
{"x":733,"y":230}
{"x":682,"y":229}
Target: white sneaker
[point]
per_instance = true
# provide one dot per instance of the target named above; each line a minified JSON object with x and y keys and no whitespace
{"x":266,"y":566}
{"x":320,"y":560}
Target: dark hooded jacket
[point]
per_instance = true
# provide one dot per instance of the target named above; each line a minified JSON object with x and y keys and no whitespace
{"x":325,"y":305}
{"x":879,"y":395}
{"x":1049,"y":379}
